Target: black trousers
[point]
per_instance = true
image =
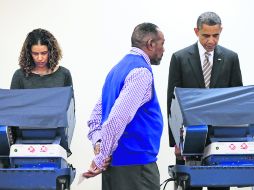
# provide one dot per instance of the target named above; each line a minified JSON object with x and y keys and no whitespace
{"x":182,"y":162}
{"x":137,"y":177}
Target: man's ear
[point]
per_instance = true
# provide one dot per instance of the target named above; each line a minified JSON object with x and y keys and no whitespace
{"x":150,"y":44}
{"x":196,"y":30}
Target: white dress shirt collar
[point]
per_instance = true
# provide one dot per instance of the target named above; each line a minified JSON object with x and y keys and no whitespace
{"x":202,"y":52}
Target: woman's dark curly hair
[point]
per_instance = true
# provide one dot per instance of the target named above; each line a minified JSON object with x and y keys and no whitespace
{"x":39,"y":37}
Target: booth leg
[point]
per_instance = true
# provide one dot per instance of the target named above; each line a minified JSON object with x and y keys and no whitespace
{"x":63,"y":183}
{"x":180,"y":185}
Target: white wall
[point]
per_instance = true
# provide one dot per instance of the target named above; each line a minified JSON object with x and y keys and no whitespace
{"x":94,"y":35}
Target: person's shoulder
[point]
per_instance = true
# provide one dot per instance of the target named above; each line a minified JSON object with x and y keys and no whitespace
{"x":186,"y":49}
{"x":63,"y":69}
{"x":222,"y":49}
{"x":18,"y":72}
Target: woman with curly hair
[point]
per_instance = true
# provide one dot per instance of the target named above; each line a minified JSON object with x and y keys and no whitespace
{"x":38,"y":61}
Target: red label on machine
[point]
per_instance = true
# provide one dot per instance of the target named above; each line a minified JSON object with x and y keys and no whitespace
{"x":244,"y":146}
{"x":232,"y":146}
{"x":43,"y":149}
{"x":31,"y":149}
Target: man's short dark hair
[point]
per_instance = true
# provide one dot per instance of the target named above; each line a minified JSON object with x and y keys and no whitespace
{"x":141,"y":31}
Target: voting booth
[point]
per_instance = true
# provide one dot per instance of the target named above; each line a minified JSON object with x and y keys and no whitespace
{"x":214,"y":129}
{"x":36,"y":128}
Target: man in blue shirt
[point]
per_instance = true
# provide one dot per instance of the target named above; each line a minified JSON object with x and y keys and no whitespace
{"x":126,"y":123}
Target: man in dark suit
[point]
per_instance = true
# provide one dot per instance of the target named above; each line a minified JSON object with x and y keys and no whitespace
{"x":187,"y":65}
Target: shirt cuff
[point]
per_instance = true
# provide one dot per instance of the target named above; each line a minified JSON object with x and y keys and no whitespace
{"x":98,"y":160}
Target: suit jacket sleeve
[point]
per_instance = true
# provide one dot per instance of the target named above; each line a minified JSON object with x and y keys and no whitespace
{"x":236,"y":76}
{"x":174,"y":79}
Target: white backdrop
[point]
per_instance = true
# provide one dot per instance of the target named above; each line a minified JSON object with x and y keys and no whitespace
{"x":94,"y":35}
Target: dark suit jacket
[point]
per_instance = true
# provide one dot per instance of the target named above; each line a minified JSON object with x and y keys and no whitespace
{"x":185,"y":71}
